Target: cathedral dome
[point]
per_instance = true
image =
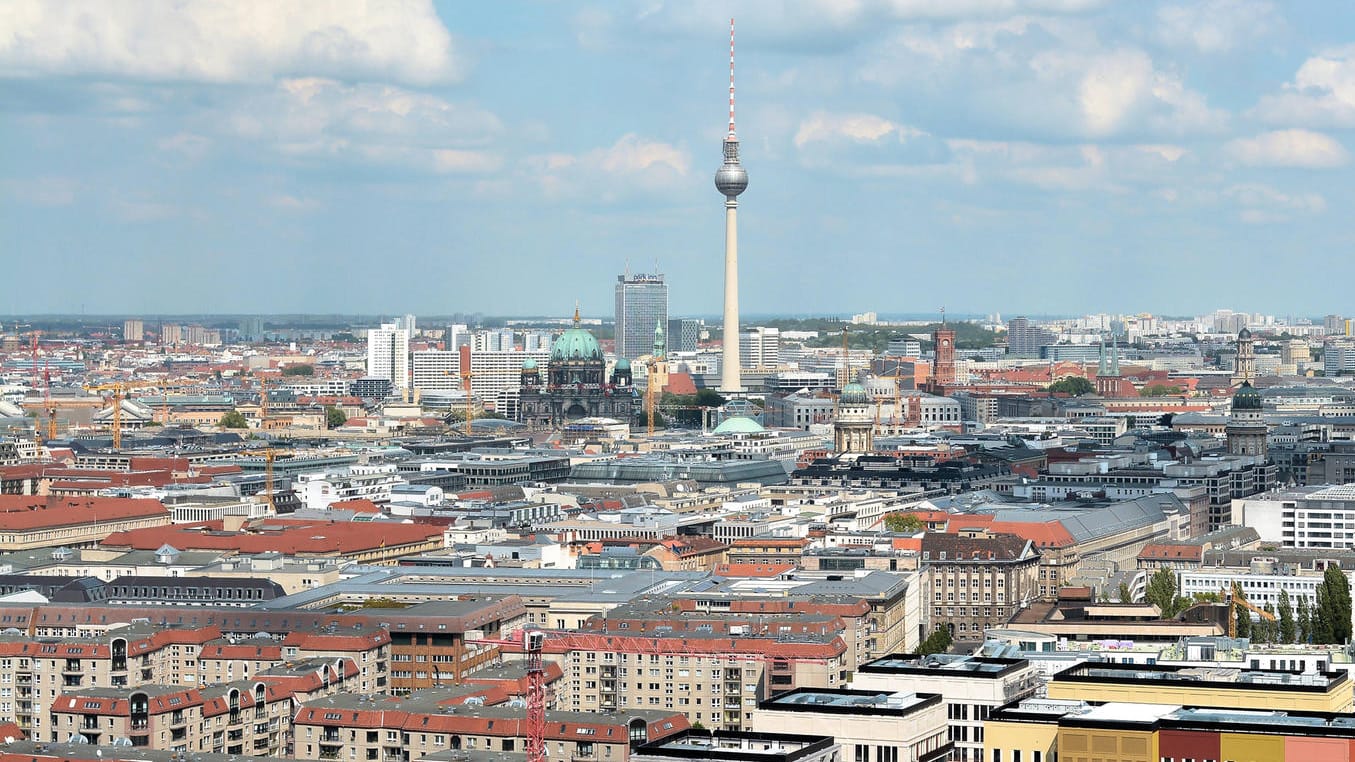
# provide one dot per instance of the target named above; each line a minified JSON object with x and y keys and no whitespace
{"x":623,"y":364}
{"x":575,"y":344}
{"x":529,"y":364}
{"x":854,"y":394}
{"x":1246,"y":398}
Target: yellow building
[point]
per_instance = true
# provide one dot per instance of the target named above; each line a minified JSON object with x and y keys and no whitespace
{"x":1204,"y":687}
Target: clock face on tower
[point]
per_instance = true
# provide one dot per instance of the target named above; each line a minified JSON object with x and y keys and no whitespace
{"x":945,"y":342}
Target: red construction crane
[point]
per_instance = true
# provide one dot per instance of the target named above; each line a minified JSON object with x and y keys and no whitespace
{"x":533,"y":640}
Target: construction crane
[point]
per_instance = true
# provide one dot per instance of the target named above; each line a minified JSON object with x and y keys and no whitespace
{"x":269,"y":455}
{"x":119,"y":390}
{"x":465,"y":385}
{"x":47,"y":399}
{"x":37,"y":424}
{"x":1234,"y":599}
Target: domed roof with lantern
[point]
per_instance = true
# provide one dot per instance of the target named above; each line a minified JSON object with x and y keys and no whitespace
{"x":854,"y":394}
{"x":575,"y":344}
{"x":1246,"y":397}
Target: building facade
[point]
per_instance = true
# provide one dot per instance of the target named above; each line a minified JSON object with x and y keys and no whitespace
{"x":641,"y":304}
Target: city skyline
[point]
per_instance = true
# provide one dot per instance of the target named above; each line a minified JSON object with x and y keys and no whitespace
{"x":1175,"y":150}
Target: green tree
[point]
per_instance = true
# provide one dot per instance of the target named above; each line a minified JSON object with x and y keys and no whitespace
{"x":1241,"y":614}
{"x":1159,"y":390}
{"x":1125,"y":597}
{"x":1161,"y":592}
{"x":298,"y":370}
{"x":1305,"y":621}
{"x":708,"y":398}
{"x":233,"y":420}
{"x":1333,"y":607}
{"x":936,"y":643}
{"x":334,"y":417}
{"x":1286,"y":617}
{"x":904,"y":522}
{"x":1073,"y":385}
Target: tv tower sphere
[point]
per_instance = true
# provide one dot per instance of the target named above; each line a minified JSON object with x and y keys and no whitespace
{"x":731,"y":179}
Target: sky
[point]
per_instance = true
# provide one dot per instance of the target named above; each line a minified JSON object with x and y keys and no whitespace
{"x":1038,"y":156}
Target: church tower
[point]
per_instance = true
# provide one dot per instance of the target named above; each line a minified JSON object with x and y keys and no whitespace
{"x":854,"y":427}
{"x":1246,"y":429}
{"x":1245,"y":369}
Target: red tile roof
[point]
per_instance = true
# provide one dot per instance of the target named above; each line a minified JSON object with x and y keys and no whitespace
{"x":314,"y":538}
{"x":25,"y":512}
{"x":752,"y":571}
{"x":1172,"y":552}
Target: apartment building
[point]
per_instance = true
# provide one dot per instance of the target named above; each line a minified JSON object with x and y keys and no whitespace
{"x":35,"y":671}
{"x":868,"y":726}
{"x":716,"y":679}
{"x":390,"y":729}
{"x":245,"y":718}
{"x":971,"y":688}
{"x":977,"y":579}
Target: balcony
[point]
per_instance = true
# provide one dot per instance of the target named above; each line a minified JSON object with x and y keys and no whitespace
{"x":331,"y":736}
{"x":260,"y":744}
{"x":140,"y":723}
{"x":330,"y":753}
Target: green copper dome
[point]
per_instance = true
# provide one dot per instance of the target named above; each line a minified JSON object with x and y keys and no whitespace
{"x":854,"y":394}
{"x":575,"y":344}
{"x":529,"y":364}
{"x":623,"y":364}
{"x":739,"y":424}
{"x":1246,"y":397}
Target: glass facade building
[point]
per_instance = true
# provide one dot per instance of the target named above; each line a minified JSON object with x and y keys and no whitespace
{"x":641,"y":305}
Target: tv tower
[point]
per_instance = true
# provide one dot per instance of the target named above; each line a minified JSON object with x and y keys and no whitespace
{"x":731,"y":179}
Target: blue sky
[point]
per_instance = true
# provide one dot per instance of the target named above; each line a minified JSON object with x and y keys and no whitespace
{"x":1016,"y":155}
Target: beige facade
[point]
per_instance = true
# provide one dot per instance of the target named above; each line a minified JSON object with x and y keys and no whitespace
{"x":236,"y":718}
{"x":719,"y":688}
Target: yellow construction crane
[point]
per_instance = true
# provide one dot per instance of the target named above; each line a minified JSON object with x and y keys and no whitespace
{"x":470,"y":398}
{"x":269,"y":455}
{"x":119,"y":390}
{"x":1235,"y":600}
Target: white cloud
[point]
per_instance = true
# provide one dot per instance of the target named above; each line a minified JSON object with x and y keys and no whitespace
{"x":1215,"y":26}
{"x":1260,"y":204}
{"x":321,"y":119}
{"x":632,"y":164}
{"x":237,"y":41}
{"x":185,"y":145}
{"x":1051,"y":77}
{"x":1322,"y":93}
{"x":290,"y":203}
{"x":859,"y":128}
{"x":48,"y":191}
{"x":1288,"y":148}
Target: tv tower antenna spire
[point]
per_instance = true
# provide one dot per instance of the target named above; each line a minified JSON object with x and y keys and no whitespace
{"x":731,"y":179}
{"x":731,"y":80}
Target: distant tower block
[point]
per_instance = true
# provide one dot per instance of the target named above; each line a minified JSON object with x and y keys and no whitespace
{"x":943,"y":371}
{"x":731,"y":179}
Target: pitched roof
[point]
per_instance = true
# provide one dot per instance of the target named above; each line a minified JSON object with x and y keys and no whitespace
{"x":24,"y":512}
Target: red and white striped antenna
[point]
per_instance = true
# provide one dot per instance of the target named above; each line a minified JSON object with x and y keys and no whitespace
{"x":731,"y":81}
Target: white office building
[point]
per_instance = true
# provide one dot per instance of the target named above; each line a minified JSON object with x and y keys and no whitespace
{"x":1302,"y":517}
{"x":388,"y":354}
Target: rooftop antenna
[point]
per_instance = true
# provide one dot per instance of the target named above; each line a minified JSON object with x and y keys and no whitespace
{"x":943,"y":316}
{"x":731,"y":135}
